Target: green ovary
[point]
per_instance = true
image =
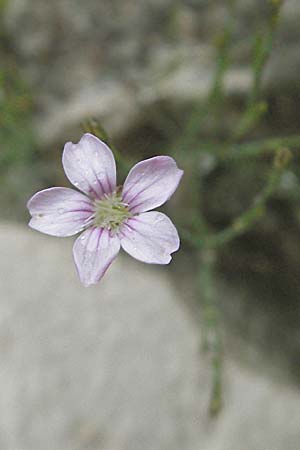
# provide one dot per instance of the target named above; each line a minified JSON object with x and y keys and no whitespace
{"x":110,"y":212}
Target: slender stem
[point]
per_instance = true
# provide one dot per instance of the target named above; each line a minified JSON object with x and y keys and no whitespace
{"x":212,"y":342}
{"x":262,"y":46}
{"x":246,"y":220}
{"x":216,"y":95}
{"x":251,"y":149}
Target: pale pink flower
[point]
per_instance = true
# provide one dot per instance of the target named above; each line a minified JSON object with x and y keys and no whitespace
{"x":109,"y":217}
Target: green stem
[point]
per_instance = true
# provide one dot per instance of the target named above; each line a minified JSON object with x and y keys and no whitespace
{"x":251,"y":149}
{"x":216,"y":94}
{"x":262,"y":46}
{"x":246,"y":220}
{"x":212,"y":343}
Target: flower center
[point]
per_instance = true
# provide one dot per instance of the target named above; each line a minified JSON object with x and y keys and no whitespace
{"x":110,"y":212}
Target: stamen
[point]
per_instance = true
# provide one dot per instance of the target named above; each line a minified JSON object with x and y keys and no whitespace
{"x":110,"y":212}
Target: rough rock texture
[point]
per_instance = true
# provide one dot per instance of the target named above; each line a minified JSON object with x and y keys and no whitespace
{"x":117,"y":366}
{"x":113,"y":58}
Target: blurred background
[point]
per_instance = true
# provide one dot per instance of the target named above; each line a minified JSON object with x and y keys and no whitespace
{"x":203,"y":354}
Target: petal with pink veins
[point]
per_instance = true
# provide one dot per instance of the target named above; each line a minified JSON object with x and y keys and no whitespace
{"x":150,"y":237}
{"x":150,"y":183}
{"x":90,"y":166}
{"x":59,"y":211}
{"x":93,"y":253}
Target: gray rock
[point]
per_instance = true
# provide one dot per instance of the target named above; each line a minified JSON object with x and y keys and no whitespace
{"x":112,"y":59}
{"x":117,"y":366}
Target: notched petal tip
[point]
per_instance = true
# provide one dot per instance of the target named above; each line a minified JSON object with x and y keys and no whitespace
{"x":31,"y":224}
{"x":150,"y":183}
{"x":150,"y":237}
{"x":93,"y":253}
{"x":90,"y":166}
{"x":59,"y":211}
{"x":33,"y":202}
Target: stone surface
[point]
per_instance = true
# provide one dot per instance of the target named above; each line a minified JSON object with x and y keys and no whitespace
{"x":113,"y":59}
{"x":117,"y":366}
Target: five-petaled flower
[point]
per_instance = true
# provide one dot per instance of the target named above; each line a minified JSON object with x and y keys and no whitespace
{"x":110,"y":217}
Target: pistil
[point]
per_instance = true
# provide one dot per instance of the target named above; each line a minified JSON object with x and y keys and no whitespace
{"x":110,"y":212}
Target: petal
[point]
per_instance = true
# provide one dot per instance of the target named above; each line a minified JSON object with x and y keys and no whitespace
{"x":93,"y":253}
{"x":90,"y":166}
{"x":150,"y":237}
{"x":59,"y":211}
{"x":151,"y":183}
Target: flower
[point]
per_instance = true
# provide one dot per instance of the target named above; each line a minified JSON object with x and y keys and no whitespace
{"x":109,"y":217}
